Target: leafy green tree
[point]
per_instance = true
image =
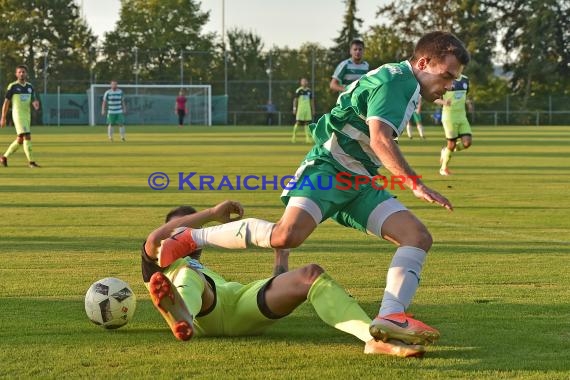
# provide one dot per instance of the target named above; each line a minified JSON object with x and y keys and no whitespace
{"x":290,"y":65}
{"x":150,"y":38}
{"x":349,"y":31}
{"x":468,"y":19}
{"x":536,"y":40}
{"x":247,"y":71}
{"x":383,"y":45}
{"x":50,"y":37}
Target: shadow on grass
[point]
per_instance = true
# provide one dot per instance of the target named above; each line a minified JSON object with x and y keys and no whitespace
{"x":478,"y":335}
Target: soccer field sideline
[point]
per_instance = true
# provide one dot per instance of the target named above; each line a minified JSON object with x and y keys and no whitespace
{"x":495,"y":284}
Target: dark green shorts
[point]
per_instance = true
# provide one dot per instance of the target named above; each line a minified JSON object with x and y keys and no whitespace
{"x":115,"y":119}
{"x":341,"y":196}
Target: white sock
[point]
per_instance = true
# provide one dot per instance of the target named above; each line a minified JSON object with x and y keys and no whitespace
{"x":421,"y":130}
{"x":239,"y":234}
{"x":402,"y":280}
{"x":409,"y":130}
{"x":110,"y":131}
{"x":122,"y":132}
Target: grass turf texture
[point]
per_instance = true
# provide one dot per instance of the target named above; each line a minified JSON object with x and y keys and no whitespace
{"x":495,"y":282}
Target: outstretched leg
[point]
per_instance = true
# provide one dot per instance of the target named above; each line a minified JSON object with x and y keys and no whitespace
{"x":293,"y":228}
{"x":332,"y":304}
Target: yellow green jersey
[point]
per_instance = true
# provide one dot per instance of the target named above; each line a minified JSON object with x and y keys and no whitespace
{"x":458,"y":97}
{"x":304,"y":97}
{"x":21,"y":97}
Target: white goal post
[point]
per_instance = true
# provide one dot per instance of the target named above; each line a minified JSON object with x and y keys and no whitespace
{"x":155,"y":104}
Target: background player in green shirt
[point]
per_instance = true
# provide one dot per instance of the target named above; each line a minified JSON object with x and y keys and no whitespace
{"x":357,"y":138}
{"x":195,"y":300}
{"x":454,"y":120}
{"x":350,"y":69}
{"x":303,"y":109}
{"x":20,"y":96}
{"x":114,"y":102}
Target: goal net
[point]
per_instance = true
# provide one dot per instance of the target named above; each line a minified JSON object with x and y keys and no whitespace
{"x":155,"y":104}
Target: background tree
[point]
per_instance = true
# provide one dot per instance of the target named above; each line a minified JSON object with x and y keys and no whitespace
{"x":155,"y":33}
{"x":468,"y":19}
{"x":349,"y":31}
{"x":536,"y":41}
{"x":290,"y":65}
{"x":49,"y":32}
{"x":383,"y":45}
{"x":247,"y":63}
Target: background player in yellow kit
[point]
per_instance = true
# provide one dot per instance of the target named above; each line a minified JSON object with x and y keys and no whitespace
{"x":21,"y":96}
{"x":454,"y":120}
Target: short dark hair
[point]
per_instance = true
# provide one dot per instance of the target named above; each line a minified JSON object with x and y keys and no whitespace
{"x":436,"y":45}
{"x":182,"y":211}
{"x":179,"y":211}
{"x":25,"y":67}
{"x":356,"y":41}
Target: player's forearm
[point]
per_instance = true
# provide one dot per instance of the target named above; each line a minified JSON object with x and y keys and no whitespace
{"x":336,"y":86}
{"x":5,"y":108}
{"x":192,"y":221}
{"x":281,"y":264}
{"x":163,"y":232}
{"x":393,"y":160}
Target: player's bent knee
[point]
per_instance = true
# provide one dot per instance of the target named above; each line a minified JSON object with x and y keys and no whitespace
{"x":310,"y":272}
{"x":418,"y":237}
{"x":286,"y":240}
{"x":424,"y":239}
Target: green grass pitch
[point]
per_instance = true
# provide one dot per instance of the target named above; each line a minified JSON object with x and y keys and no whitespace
{"x":495,"y":282}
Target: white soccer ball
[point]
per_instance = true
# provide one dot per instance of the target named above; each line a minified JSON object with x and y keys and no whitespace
{"x":110,"y":303}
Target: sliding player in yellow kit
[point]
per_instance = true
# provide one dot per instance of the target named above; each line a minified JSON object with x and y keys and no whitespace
{"x":196,"y":301}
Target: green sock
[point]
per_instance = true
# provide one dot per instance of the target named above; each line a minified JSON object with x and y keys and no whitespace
{"x":295,"y":132}
{"x":458,"y":147}
{"x":12,"y":148}
{"x":28,"y":150}
{"x":445,"y":157}
{"x":190,"y":285}
{"x":338,"y":309}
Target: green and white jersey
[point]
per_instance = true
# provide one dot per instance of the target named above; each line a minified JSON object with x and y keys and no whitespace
{"x":458,"y":97}
{"x":389,"y":93}
{"x":347,"y":71}
{"x":114,"y":101}
{"x":21,"y":97}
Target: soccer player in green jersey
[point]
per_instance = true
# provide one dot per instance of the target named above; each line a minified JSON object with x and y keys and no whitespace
{"x":114,"y":102}
{"x":350,"y":69}
{"x":353,"y":141}
{"x":417,"y":118}
{"x":21,"y":96}
{"x":303,"y":109}
{"x":454,"y":120}
{"x":196,"y":301}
